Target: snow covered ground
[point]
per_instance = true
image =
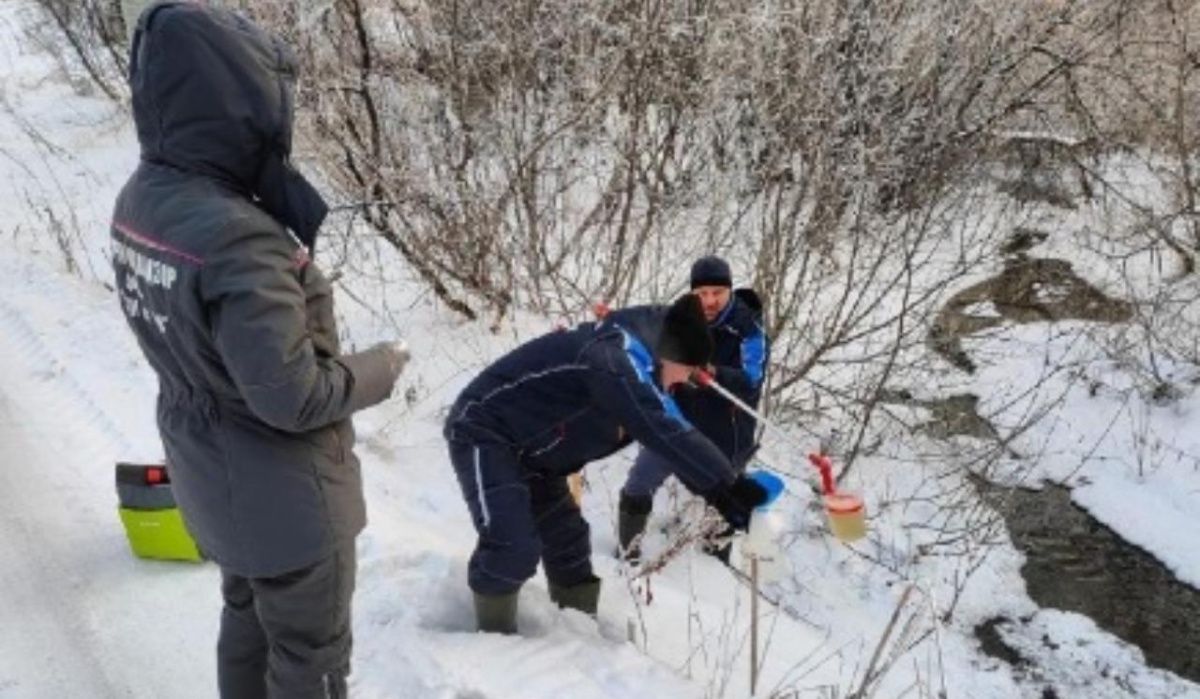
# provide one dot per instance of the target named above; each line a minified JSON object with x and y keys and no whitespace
{"x":83,"y":618}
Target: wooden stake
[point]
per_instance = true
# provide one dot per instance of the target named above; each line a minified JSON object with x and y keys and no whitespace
{"x":575,"y":485}
{"x":753,"y":624}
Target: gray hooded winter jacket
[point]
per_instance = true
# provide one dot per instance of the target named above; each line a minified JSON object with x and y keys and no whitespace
{"x":254,"y":396}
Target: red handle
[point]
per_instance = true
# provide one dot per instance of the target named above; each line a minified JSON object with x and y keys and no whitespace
{"x":825,"y":466}
{"x":702,"y":377}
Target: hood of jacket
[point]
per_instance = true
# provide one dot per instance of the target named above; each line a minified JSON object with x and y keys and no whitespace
{"x":213,"y":95}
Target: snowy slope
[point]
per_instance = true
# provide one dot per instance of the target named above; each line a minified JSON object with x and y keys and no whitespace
{"x":94,"y":621}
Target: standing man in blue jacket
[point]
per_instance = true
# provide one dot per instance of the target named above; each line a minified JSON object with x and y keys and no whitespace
{"x":739,"y":364}
{"x":554,"y":404}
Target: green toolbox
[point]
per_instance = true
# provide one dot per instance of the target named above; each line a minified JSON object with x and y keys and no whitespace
{"x":152,"y":521}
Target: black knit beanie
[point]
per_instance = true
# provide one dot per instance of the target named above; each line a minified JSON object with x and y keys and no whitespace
{"x":711,"y":271}
{"x":684,"y":337}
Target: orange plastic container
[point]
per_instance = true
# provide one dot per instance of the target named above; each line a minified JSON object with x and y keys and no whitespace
{"x":847,"y":516}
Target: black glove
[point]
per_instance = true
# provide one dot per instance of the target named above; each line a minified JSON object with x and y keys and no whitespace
{"x":737,"y":500}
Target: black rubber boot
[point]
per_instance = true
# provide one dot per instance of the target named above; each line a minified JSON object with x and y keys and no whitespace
{"x":584,"y":596}
{"x":496,"y":613}
{"x":632,"y":514}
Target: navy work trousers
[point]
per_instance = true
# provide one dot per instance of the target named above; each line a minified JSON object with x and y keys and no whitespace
{"x":521,"y":518}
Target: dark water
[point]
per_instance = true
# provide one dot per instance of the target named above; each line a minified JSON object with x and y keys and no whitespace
{"x":1075,"y":563}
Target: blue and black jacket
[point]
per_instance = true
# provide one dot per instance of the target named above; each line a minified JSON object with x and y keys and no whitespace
{"x":740,"y":358}
{"x":571,"y":397}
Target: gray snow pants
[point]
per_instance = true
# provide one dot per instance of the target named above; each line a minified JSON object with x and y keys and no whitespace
{"x":287,"y":636}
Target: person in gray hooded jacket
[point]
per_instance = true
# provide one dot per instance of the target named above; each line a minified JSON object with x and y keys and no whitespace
{"x":211,"y":238}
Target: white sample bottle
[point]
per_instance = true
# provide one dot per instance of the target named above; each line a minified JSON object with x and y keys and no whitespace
{"x":762,"y":542}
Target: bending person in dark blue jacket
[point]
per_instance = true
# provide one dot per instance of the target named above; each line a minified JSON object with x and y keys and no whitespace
{"x":554,"y":404}
{"x":739,"y":364}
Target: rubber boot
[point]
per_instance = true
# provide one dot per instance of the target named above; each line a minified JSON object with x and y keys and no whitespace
{"x":632,"y":514}
{"x":584,"y":596}
{"x":496,"y":613}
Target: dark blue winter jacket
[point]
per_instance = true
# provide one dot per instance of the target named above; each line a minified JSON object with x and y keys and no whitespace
{"x":740,"y":358}
{"x":571,"y":397}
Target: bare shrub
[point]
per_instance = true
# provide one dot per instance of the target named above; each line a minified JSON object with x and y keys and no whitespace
{"x":88,"y":40}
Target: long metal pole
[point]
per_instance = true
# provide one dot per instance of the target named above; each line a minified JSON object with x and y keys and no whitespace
{"x":709,"y":381}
